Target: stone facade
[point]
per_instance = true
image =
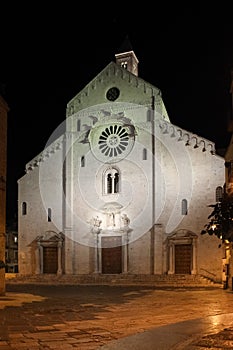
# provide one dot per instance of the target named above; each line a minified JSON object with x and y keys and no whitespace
{"x":3,"y":165}
{"x":122,"y":190}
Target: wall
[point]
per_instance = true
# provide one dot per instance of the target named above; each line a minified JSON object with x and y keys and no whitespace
{"x":3,"y":173}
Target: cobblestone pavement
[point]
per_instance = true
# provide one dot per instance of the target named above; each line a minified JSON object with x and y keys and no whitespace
{"x":93,"y":317}
{"x":220,"y":340}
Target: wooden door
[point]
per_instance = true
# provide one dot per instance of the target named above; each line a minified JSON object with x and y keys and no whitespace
{"x":183,"y":258}
{"x":111,"y":255}
{"x":50,"y":260}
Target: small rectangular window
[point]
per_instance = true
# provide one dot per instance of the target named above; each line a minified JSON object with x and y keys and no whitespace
{"x":49,"y":214}
{"x":144,"y":154}
{"x":82,"y":161}
{"x":78,"y":125}
{"x":24,"y":208}
{"x":149,"y":115}
{"x":184,"y":207}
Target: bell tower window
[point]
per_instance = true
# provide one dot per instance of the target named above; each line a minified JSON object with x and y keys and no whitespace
{"x":124,"y":64}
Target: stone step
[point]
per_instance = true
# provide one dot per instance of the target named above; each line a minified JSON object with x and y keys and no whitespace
{"x":121,"y":279}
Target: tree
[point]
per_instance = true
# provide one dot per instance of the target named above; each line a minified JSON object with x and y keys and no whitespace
{"x":221,"y":220}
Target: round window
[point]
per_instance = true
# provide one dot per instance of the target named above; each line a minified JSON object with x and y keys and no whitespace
{"x":113,"y":93}
{"x":113,"y":141}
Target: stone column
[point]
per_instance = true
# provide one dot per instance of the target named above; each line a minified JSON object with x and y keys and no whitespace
{"x":41,"y":259}
{"x":37,"y":258}
{"x":69,"y":251}
{"x":96,"y":257}
{"x":194,"y":258}
{"x":125,"y":253}
{"x":59,"y":258}
{"x":171,"y":259}
{"x":158,"y":249}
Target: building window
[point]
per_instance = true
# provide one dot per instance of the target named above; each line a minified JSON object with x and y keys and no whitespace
{"x":83,"y":161}
{"x":116,"y":183}
{"x":15,"y":238}
{"x":113,"y":93}
{"x":184,"y":207}
{"x":124,"y":64}
{"x":78,"y":125}
{"x":111,"y":181}
{"x":49,"y":214}
{"x":150,"y":115}
{"x":218,"y":194}
{"x":24,"y":208}
{"x":144,"y":154}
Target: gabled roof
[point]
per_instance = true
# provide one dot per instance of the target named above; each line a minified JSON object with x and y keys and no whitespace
{"x":133,"y":90}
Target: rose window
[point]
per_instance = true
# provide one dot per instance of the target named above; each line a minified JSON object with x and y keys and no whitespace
{"x":113,"y":141}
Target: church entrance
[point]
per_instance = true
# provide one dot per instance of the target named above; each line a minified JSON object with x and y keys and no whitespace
{"x":111,"y":255}
{"x":48,"y":253}
{"x":50,"y":259}
{"x":183,"y":258}
{"x":182,"y":252}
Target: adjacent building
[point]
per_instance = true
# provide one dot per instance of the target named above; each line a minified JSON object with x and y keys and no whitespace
{"x":228,"y":188}
{"x":122,"y":190}
{"x":3,"y":172}
{"x":11,"y":253}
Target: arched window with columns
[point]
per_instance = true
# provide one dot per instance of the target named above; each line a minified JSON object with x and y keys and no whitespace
{"x":111,"y":181}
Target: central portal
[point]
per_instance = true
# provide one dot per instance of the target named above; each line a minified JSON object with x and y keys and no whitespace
{"x":111,"y":255}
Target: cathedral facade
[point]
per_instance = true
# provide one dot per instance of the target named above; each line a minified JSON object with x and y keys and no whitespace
{"x":122,"y":190}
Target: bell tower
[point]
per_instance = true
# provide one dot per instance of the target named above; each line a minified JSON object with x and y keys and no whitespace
{"x":127,"y":58}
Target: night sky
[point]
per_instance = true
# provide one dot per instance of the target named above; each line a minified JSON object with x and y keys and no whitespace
{"x":49,"y":54}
